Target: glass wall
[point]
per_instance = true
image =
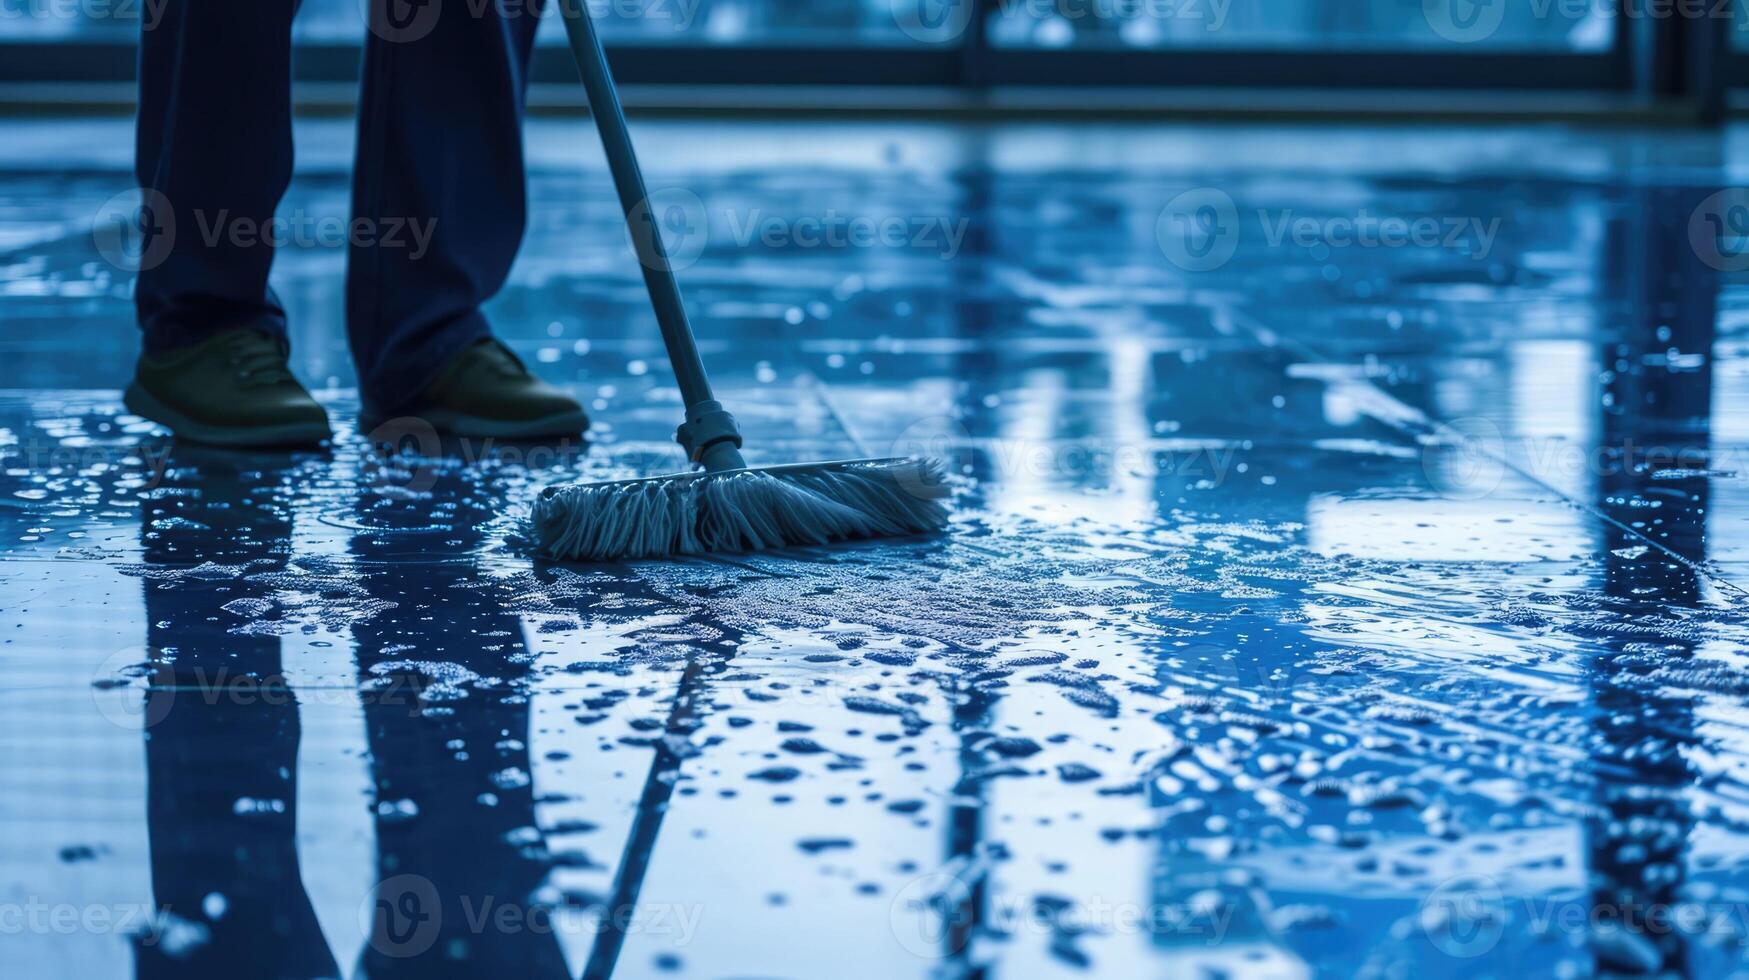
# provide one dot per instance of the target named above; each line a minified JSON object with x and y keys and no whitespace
{"x":1551,"y":25}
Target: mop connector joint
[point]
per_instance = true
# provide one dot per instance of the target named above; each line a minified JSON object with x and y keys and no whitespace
{"x":707,"y":425}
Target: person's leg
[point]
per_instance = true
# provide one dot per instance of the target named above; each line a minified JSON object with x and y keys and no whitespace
{"x":213,"y":156}
{"x":439,"y":186}
{"x":214,"y":145}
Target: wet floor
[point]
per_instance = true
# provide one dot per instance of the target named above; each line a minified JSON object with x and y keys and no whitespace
{"x":1348,"y":579}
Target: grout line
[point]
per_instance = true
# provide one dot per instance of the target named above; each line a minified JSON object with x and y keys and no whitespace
{"x":825,"y":396}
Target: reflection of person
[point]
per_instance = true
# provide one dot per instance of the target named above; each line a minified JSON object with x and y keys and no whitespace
{"x":222,"y":739}
{"x":438,"y":212}
{"x":459,"y":856}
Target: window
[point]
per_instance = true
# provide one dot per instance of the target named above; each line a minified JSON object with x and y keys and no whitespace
{"x":1346,"y":25}
{"x":1570,"y":44}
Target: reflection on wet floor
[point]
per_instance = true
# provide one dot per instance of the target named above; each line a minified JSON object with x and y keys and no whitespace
{"x":1334,"y":609}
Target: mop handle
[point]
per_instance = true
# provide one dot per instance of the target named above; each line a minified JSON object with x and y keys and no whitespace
{"x":634,"y":199}
{"x":710,"y":435}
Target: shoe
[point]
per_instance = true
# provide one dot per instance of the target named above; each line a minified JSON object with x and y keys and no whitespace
{"x":230,"y":390}
{"x":486,"y":392}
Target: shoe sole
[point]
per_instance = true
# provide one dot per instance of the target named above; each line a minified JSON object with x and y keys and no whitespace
{"x":140,"y":402}
{"x":476,"y":427}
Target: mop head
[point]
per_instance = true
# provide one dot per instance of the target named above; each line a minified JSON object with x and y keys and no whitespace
{"x":741,"y":510}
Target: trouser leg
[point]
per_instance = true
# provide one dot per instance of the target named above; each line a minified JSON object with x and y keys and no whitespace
{"x":214,"y":148}
{"x":438,"y":185}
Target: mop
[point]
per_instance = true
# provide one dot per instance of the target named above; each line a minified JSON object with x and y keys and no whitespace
{"x":725,"y":505}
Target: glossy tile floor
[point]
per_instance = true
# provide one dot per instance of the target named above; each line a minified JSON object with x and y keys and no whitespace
{"x":1348,"y":579}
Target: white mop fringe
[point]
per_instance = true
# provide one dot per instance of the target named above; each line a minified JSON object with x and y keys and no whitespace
{"x":741,"y":510}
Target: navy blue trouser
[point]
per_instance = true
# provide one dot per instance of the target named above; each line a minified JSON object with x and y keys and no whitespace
{"x":439,"y":148}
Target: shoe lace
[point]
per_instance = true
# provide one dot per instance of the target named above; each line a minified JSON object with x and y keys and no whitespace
{"x":259,"y":359}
